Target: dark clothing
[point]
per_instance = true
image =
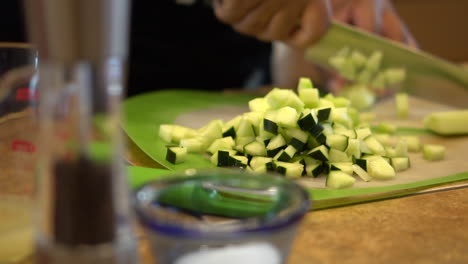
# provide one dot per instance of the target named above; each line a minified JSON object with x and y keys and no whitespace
{"x":185,"y":46}
{"x":175,"y":46}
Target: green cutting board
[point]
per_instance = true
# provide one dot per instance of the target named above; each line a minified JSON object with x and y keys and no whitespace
{"x":144,"y":114}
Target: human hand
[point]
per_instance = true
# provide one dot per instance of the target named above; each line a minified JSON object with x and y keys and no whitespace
{"x":298,"y":23}
{"x":377,"y":16}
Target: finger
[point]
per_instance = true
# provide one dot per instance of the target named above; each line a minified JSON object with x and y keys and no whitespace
{"x":283,"y":23}
{"x":342,"y":10}
{"x":395,"y":29}
{"x":366,"y":15}
{"x":257,"y":20}
{"x":315,"y":21}
{"x":233,"y":11}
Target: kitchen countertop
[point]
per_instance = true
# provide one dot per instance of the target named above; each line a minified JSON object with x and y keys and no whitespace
{"x":426,"y":228}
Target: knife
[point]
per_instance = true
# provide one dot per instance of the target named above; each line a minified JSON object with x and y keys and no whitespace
{"x":428,"y":76}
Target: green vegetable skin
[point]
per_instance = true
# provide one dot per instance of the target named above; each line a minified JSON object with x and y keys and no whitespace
{"x":196,"y":198}
{"x":448,"y":123}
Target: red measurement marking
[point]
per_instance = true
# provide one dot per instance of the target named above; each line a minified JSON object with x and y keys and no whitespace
{"x":22,"y":145}
{"x":25,"y":94}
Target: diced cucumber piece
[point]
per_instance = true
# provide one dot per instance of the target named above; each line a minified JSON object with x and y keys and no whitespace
{"x":238,"y":161}
{"x":448,"y":123}
{"x":401,"y":149}
{"x":194,"y":145}
{"x":354,"y":115}
{"x":364,"y":148}
{"x":335,"y":155}
{"x":290,"y":170}
{"x":279,"y":98}
{"x":276,"y":142}
{"x":400,"y":163}
{"x":353,"y":149}
{"x":350,"y":133}
{"x":321,"y":139}
{"x":308,"y":121}
{"x":165,"y":132}
{"x":213,"y":130}
{"x":433,"y":152}
{"x":402,"y":105}
{"x":313,"y":167}
{"x":309,"y":95}
{"x":374,"y":145}
{"x":362,"y":133}
{"x":337,"y":62}
{"x":323,"y":114}
{"x":222,"y":157}
{"x":255,"y":119}
{"x":364,"y":77}
{"x":340,"y":115}
{"x":361,"y":173}
{"x":286,"y":154}
{"x":314,"y":170}
{"x":337,"y":141}
{"x":379,"y":82}
{"x":358,"y":59}
{"x":379,"y":168}
{"x":304,"y":83}
{"x":287,"y":117}
{"x":256,"y":162}
{"x":361,"y":163}
{"x":255,"y":148}
{"x":242,"y":141}
{"x":385,"y":127}
{"x":374,"y":61}
{"x":221,"y":143}
{"x":390,"y":152}
{"x":174,"y":133}
{"x":339,"y":180}
{"x":348,"y":70}
{"x":230,"y":132}
{"x":270,"y":126}
{"x":327,"y":129}
{"x":346,"y":167}
{"x":176,"y":155}
{"x":394,"y":75}
{"x":297,"y":138}
{"x":259,"y":104}
{"x":414,"y":143}
{"x":232,"y":123}
{"x":245,"y":129}
{"x":319,"y":153}
{"x":384,"y":139}
{"x":360,"y":96}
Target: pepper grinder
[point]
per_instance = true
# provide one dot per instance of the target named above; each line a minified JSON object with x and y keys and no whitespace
{"x":83,"y":213}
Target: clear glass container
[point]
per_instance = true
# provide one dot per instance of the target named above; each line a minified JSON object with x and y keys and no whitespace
{"x":221,"y":217}
{"x":83,"y":215}
{"x":18,"y":148}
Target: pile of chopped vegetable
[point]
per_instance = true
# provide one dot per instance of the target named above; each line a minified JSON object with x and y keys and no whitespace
{"x":300,"y":135}
{"x":365,"y":76}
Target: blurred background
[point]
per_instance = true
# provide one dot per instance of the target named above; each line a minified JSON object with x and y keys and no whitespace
{"x":439,"y":26}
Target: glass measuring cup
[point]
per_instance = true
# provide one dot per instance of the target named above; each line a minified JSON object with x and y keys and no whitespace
{"x":18,"y":145}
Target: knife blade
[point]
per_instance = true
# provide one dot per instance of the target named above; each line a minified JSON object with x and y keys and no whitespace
{"x":428,"y":76}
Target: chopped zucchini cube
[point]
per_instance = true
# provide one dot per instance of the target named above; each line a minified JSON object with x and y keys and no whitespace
{"x":176,"y":155}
